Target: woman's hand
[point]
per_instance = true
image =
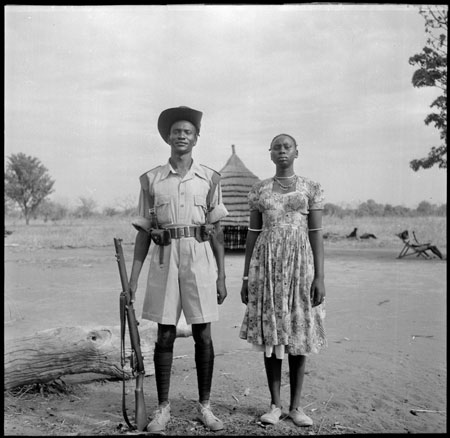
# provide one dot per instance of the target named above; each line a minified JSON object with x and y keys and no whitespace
{"x":317,"y":292}
{"x":244,"y":292}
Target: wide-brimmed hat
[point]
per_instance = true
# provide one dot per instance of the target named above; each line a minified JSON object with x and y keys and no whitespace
{"x":171,"y":115}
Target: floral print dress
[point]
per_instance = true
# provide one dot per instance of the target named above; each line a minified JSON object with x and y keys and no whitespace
{"x":279,"y":311}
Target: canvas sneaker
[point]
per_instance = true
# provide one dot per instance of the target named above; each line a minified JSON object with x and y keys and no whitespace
{"x":206,"y":416}
{"x":300,"y":418}
{"x":160,"y":419}
{"x":272,"y":417}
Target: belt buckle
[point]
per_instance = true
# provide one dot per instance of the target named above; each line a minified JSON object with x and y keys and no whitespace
{"x":187,"y":231}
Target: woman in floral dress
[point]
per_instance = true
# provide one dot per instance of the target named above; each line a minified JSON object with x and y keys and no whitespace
{"x":283,"y":283}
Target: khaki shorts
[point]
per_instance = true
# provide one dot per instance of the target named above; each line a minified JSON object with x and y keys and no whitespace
{"x":185,"y":281}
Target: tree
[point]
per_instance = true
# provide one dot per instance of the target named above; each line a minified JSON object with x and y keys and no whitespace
{"x":27,"y":183}
{"x":370,"y":208}
{"x":330,"y":209}
{"x":86,"y":209}
{"x":425,"y":208}
{"x":54,"y":211}
{"x":432,"y":72}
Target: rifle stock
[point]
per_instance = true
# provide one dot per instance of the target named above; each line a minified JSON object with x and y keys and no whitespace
{"x":128,"y":315}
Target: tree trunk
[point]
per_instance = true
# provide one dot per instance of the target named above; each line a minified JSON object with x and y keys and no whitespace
{"x":50,"y":354}
{"x":26,"y":213}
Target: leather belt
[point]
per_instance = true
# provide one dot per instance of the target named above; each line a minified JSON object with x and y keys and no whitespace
{"x":179,"y":232}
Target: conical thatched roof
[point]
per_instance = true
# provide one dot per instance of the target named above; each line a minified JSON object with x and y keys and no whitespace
{"x":236,"y":182}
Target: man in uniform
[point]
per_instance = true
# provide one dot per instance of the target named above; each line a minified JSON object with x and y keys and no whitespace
{"x":180,"y":208}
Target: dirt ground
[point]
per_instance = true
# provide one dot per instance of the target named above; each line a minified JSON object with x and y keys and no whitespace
{"x":384,"y":370}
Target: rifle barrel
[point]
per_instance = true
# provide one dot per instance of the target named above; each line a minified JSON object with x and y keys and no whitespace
{"x":121,"y":263}
{"x":127,"y":313}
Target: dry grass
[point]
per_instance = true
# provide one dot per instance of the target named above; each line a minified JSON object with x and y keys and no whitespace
{"x":428,"y":229}
{"x":70,"y":233}
{"x":77,"y":233}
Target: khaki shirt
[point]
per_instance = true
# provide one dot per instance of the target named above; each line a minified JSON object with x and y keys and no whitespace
{"x":178,"y":201}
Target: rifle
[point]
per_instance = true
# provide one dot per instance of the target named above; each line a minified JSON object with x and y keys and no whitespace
{"x":136,"y":361}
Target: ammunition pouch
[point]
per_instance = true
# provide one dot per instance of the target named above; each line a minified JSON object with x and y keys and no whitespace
{"x":161,"y":237}
{"x":205,"y":232}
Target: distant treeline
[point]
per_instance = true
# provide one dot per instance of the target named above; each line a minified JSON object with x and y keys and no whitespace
{"x":372,"y":208}
{"x":54,"y":211}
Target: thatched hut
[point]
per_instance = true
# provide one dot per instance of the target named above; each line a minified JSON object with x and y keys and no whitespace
{"x":237,"y":181}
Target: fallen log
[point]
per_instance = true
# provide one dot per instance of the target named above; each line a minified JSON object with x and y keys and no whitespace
{"x":53,"y":353}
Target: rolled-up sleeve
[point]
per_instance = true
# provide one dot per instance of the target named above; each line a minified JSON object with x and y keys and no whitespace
{"x":143,"y":220}
{"x":218,"y":210}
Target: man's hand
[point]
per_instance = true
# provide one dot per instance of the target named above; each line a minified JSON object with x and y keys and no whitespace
{"x":221,"y":290}
{"x":132,"y":292}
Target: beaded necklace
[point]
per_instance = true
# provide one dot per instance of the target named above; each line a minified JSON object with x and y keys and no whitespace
{"x":286,"y":187}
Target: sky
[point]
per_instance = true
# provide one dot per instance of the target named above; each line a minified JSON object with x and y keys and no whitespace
{"x":84,"y":86}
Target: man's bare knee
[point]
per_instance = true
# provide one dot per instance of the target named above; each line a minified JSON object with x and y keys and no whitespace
{"x":166,"y":335}
{"x":201,"y":333}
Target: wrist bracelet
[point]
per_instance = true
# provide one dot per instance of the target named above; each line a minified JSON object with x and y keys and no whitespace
{"x":315,"y":229}
{"x":254,"y":229}
{"x":244,"y":278}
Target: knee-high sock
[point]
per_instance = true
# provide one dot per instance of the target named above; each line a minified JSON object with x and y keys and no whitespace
{"x":204,"y":361}
{"x":163,"y":358}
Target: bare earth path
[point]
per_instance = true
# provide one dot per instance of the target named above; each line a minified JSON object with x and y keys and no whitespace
{"x":384,"y":370}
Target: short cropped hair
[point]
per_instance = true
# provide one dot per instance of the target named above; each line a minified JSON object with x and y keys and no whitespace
{"x":286,"y":135}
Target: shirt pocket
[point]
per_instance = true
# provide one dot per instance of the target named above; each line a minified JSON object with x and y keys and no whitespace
{"x":162,"y":209}
{"x":200,"y":207}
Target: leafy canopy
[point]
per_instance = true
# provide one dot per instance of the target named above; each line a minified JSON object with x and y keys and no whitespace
{"x":432,"y":72}
{"x":27,"y":182}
